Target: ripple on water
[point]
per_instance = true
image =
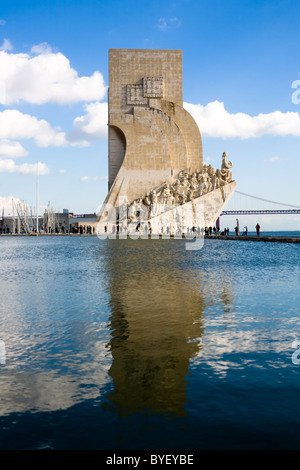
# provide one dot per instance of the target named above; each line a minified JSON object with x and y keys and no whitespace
{"x":142,"y":342}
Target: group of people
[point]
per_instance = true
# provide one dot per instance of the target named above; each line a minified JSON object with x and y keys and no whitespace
{"x":84,"y":229}
{"x":245,"y":230}
{"x":185,"y":188}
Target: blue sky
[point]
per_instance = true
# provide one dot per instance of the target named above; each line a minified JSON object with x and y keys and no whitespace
{"x":240,"y":61}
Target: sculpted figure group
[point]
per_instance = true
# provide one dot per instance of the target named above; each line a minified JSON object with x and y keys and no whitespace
{"x":185,"y":188}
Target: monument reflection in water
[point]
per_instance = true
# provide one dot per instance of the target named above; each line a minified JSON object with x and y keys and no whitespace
{"x":134,"y":344}
{"x":156,"y":322}
{"x":103,"y":346}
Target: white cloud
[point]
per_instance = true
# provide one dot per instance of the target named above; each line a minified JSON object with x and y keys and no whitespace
{"x":62,"y":171}
{"x":162,"y":24}
{"x":6,"y":46}
{"x":12,"y":149}
{"x":9,"y":166}
{"x":94,"y":178}
{"x":92,"y":125}
{"x":16,"y":125}
{"x":174,"y":21}
{"x":6,"y":204}
{"x":46,"y":77}
{"x":166,"y":23}
{"x":42,"y":48}
{"x":2,"y":22}
{"x":215,"y":121}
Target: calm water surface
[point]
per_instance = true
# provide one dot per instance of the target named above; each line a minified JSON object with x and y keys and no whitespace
{"x":141,"y":344}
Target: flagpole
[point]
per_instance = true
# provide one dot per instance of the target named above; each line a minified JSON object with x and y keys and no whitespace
{"x":37,"y":199}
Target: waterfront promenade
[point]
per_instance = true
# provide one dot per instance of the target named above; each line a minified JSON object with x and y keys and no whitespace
{"x":255,"y":238}
{"x":249,"y":238}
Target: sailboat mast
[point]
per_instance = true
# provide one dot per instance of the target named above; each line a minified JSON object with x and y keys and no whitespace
{"x":37,"y":199}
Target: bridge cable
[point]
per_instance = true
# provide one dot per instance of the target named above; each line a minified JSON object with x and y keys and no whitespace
{"x":266,"y":200}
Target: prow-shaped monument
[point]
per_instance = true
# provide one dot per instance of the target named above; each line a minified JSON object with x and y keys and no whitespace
{"x":157,"y":181}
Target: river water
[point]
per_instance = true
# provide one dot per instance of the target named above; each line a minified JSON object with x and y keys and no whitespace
{"x":142,"y":344}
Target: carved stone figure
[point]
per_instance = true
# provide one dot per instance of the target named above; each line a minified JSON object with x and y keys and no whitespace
{"x":146,"y":206}
{"x":225,"y":168}
{"x":181,"y":189}
{"x":183,"y":198}
{"x":176,"y":193}
{"x":222,"y":177}
{"x":190,"y":195}
{"x":147,"y":200}
{"x":204,"y":183}
{"x":194,"y":181}
{"x":185,"y":182}
{"x":210,"y":170}
{"x":171,"y":200}
{"x":166,"y":192}
{"x":154,"y":203}
{"x":154,"y":197}
{"x":132,"y":212}
{"x":185,"y":188}
{"x":215,"y":180}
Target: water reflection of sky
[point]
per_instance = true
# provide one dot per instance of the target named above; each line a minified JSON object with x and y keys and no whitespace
{"x":146,"y":325}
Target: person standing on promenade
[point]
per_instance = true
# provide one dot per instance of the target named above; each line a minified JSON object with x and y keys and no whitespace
{"x":257,"y":229}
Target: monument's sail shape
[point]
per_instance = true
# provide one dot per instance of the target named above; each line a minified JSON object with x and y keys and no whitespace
{"x":152,"y":138}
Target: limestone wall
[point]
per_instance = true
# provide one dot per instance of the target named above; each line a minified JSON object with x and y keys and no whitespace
{"x":151,"y":136}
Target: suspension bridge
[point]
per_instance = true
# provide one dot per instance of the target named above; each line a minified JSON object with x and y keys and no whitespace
{"x":269,"y":207}
{"x":243,"y":204}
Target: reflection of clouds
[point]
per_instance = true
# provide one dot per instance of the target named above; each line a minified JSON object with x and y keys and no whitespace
{"x":53,"y":389}
{"x":38,"y":392}
{"x":53,"y":325}
{"x":244,"y":343}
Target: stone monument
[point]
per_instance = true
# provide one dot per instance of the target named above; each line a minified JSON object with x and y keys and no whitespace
{"x":155,"y":148}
